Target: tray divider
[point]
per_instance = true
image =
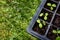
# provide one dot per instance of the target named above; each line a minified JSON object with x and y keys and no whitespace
{"x":48,"y":10}
{"x":52,"y":19}
{"x":54,"y":1}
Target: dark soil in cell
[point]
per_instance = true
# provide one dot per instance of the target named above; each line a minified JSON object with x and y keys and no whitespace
{"x":50,"y":34}
{"x":40,"y":30}
{"x":49,"y":17}
{"x":56,"y":21}
{"x":48,"y":7}
{"x":58,"y":11}
{"x":57,"y":0}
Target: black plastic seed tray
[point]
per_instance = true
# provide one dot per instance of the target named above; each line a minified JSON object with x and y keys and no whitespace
{"x":45,"y":24}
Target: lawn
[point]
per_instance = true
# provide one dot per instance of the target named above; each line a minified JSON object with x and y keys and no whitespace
{"x":15,"y":16}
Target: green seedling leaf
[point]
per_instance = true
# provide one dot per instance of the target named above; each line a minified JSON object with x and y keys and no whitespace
{"x":51,"y":8}
{"x":38,"y":21}
{"x":54,"y":31}
{"x":41,"y":14}
{"x":45,"y":18}
{"x":40,"y":25}
{"x":48,"y":4}
{"x":58,"y":38}
{"x":58,"y":31}
{"x":53,"y":5}
{"x":44,"y":22}
{"x":46,"y":14}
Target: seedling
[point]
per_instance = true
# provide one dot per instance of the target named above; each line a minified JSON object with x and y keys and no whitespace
{"x":45,"y":15}
{"x":57,"y":32}
{"x":51,"y":6}
{"x":41,"y":23}
{"x":58,"y":38}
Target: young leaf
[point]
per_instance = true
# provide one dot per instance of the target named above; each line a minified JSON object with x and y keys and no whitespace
{"x":41,"y":14}
{"x":58,"y":38}
{"x":38,"y":21}
{"x":45,"y":18}
{"x":44,"y":22}
{"x":51,"y":8}
{"x":48,"y":4}
{"x":46,"y":14}
{"x":54,"y":31}
{"x":58,"y":31}
{"x":53,"y":5}
{"x":40,"y":25}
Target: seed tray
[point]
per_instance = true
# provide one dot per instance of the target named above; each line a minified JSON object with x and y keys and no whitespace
{"x":45,"y":24}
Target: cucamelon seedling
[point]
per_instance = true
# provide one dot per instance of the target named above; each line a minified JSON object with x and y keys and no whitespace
{"x":45,"y":15}
{"x":51,"y":6}
{"x":41,"y":23}
{"x":58,"y":38}
{"x":57,"y":32}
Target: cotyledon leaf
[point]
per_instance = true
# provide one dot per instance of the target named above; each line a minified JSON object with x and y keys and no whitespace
{"x":48,"y":4}
{"x":51,"y":8}
{"x":58,"y":31}
{"x":58,"y":38}
{"x":41,"y":14}
{"x":54,"y":31}
{"x":46,"y":14}
{"x":53,"y":5}
{"x":45,"y":18}
{"x":38,"y":21}
{"x":44,"y":23}
{"x":40,"y":25}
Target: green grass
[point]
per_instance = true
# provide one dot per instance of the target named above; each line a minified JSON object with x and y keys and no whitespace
{"x":15,"y":16}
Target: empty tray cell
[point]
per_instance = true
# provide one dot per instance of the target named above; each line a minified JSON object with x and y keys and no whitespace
{"x":58,"y":11}
{"x":56,"y":21}
{"x":40,"y":27}
{"x":45,"y":15}
{"x":51,"y":5}
{"x":51,"y":33}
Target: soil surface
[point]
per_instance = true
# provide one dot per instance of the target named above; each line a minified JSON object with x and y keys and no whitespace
{"x":57,"y":0}
{"x":56,"y":21}
{"x":58,"y":11}
{"x":50,"y":34}
{"x":39,"y":30}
